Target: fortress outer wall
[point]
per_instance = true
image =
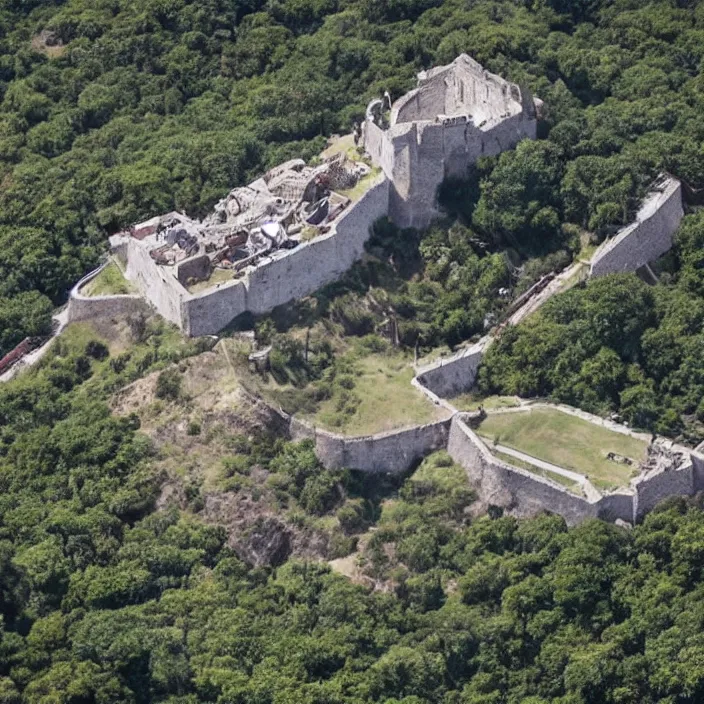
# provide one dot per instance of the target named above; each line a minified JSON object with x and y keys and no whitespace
{"x":82,"y":307}
{"x":645,"y":239}
{"x":393,"y":452}
{"x":292,"y":274}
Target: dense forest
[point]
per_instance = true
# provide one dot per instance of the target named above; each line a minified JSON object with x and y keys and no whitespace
{"x":104,"y":600}
{"x":113,"y":110}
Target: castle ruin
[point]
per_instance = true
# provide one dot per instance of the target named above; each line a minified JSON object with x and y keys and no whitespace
{"x":300,"y":227}
{"x":457,"y":114}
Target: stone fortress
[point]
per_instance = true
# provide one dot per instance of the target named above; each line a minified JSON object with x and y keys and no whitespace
{"x":457,"y":114}
{"x":294,"y":229}
{"x":300,"y":227}
{"x":281,"y":237}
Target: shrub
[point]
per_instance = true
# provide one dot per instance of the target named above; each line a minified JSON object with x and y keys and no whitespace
{"x":118,"y":364}
{"x":168,"y":385}
{"x":350,"y":517}
{"x":320,"y":493}
{"x":97,"y":350}
{"x":340,"y":545}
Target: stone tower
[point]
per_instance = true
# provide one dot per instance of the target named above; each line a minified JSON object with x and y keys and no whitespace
{"x":458,"y":113}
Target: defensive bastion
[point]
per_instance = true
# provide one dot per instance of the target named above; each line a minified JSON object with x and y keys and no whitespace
{"x":671,"y":470}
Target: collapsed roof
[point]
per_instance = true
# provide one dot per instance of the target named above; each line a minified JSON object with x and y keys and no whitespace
{"x":270,"y":213}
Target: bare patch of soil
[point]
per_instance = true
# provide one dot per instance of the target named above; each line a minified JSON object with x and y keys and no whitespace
{"x":48,"y":43}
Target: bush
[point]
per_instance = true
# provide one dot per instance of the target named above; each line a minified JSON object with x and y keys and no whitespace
{"x":352,"y":313}
{"x":340,"y":545}
{"x":118,"y":364}
{"x":350,"y":517}
{"x":168,"y":385}
{"x":320,"y":493}
{"x":97,"y":350}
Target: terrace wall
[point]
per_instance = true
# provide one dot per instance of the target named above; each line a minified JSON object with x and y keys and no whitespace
{"x":517,"y":490}
{"x":82,"y":307}
{"x":658,"y":486}
{"x":393,"y":452}
{"x":454,"y":375}
{"x":498,"y":483}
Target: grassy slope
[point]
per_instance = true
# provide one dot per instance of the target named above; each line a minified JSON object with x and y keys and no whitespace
{"x":388,"y":400}
{"x":109,"y":281}
{"x":566,"y":441}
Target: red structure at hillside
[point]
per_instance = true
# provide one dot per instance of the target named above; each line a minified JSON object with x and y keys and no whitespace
{"x":15,"y":355}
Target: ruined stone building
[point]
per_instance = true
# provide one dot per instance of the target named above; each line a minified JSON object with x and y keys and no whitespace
{"x":281,"y":237}
{"x":457,"y":114}
{"x":300,"y":226}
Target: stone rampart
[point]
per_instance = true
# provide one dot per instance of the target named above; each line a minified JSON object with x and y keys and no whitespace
{"x":209,"y":312}
{"x":378,"y":147}
{"x":91,"y":308}
{"x":498,"y":483}
{"x":697,"y":459}
{"x":450,"y":376}
{"x":157,"y":283}
{"x":645,"y":239}
{"x":290,"y":274}
{"x":394,"y":451}
{"x":82,"y":307}
{"x":522,"y":492}
{"x":417,"y":157}
{"x":655,"y":487}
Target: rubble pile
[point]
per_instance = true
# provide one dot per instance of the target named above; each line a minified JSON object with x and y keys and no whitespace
{"x":662,"y":456}
{"x":291,"y":202}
